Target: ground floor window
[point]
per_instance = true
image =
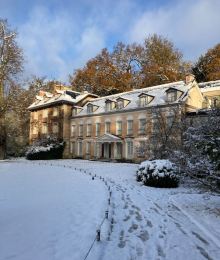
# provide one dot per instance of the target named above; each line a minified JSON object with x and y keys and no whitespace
{"x":80,"y":148}
{"x":88,"y":148}
{"x":130,"y":149}
{"x":73,"y":147}
{"x":55,"y":128}
{"x":141,"y":146}
{"x":45,"y":129}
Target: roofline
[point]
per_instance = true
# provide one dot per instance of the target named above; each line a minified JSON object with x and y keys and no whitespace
{"x":123,"y":111}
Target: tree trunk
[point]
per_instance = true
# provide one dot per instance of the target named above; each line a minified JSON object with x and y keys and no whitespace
{"x":2,"y":124}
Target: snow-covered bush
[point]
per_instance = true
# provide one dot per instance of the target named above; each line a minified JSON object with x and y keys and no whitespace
{"x":46,"y":149}
{"x":158,"y":173}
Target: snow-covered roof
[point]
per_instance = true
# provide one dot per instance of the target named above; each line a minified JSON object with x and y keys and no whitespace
{"x":158,"y":92}
{"x":48,"y":94}
{"x":209,"y":86}
{"x":72,"y":97}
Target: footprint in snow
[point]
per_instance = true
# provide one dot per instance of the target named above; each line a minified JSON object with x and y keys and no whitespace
{"x":160,"y":251}
{"x":149,"y":224}
{"x":200,"y":238}
{"x":139,"y":250}
{"x":122,"y":243}
{"x":203,"y":252}
{"x":133,"y":227}
{"x":144,"y":236}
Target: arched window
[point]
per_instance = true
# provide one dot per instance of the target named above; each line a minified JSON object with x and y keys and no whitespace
{"x":130,"y":119}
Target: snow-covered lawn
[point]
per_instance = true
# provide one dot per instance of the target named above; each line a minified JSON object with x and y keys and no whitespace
{"x":51,"y":212}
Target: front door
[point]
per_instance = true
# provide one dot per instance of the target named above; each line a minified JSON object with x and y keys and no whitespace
{"x":107,"y":150}
{"x":119,"y":150}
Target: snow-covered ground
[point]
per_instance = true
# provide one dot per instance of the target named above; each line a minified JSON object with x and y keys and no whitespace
{"x":51,"y":212}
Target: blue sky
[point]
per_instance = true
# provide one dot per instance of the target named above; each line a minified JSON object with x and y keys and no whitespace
{"x":59,"y":36}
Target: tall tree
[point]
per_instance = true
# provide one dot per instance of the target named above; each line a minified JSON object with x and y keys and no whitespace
{"x":155,"y":62}
{"x":163,"y":62}
{"x":207,"y":68}
{"x":11,"y":61}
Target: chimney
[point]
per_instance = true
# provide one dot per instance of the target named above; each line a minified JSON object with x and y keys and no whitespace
{"x":189,"y":77}
{"x":41,"y":93}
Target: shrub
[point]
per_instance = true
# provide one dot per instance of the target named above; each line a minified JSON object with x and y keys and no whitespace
{"x":46,"y":149}
{"x":158,"y":173}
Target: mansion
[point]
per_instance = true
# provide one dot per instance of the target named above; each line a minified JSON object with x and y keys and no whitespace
{"x":110,"y":126}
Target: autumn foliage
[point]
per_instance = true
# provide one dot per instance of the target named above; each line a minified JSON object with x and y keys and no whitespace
{"x":155,"y":62}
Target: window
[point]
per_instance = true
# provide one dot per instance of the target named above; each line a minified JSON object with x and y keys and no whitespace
{"x":98,"y":128}
{"x":35,"y":130}
{"x":35,"y":115}
{"x":44,"y":129}
{"x":74,"y":112}
{"x":55,"y":128}
{"x":119,"y":128}
{"x":130,"y":127}
{"x":107,"y":128}
{"x":108,"y":106}
{"x":143,"y":101}
{"x":80,"y":130}
{"x":120,"y":104}
{"x":56,"y":111}
{"x":171,"y":96}
{"x":88,"y":148}
{"x":80,"y":148}
{"x":45,"y":112}
{"x":142,"y":123}
{"x":169,"y":122}
{"x":89,"y":130}
{"x":155,"y":126}
{"x":130,"y":149}
{"x":73,"y":130}
{"x":72,"y":147}
{"x":89,"y":109}
{"x":141,"y":152}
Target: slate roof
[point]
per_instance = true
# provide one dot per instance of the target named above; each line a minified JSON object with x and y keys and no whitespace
{"x":66,"y":96}
{"x":209,"y":86}
{"x":158,"y":92}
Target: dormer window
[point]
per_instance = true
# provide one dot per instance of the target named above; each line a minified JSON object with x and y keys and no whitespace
{"x":89,"y":109}
{"x":145,"y":99}
{"x":108,"y":106}
{"x":171,"y":96}
{"x":74,"y":112}
{"x":120,"y":104}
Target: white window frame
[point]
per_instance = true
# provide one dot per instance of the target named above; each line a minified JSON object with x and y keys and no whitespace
{"x":119,"y":128}
{"x":171,"y":96}
{"x":89,"y":130}
{"x":88,"y":148}
{"x":73,"y":147}
{"x":142,"y":127}
{"x":98,"y":129}
{"x":55,"y":128}
{"x":80,"y":130}
{"x":45,"y":113}
{"x":80,"y":145}
{"x":141,"y":144}
{"x":154,"y":129}
{"x":169,"y":121}
{"x":143,"y":101}
{"x":73,"y":130}
{"x":120,"y":104}
{"x":108,"y":106}
{"x":89,"y":109}
{"x":44,"y":128}
{"x":107,"y":127}
{"x":35,"y":114}
{"x":129,"y":149}
{"x":74,"y":112}
{"x":129,"y":129}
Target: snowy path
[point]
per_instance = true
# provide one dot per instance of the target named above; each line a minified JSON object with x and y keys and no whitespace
{"x":144,"y":222}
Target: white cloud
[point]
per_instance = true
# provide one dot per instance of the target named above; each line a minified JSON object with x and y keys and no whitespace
{"x":193,"y":25}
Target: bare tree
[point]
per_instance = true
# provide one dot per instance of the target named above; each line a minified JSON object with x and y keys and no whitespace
{"x":11,"y":61}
